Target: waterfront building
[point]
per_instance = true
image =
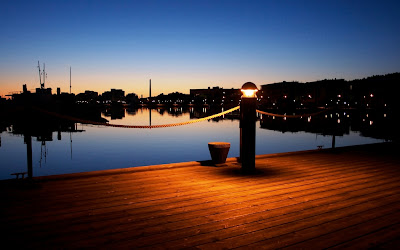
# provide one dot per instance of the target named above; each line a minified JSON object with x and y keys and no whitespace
{"x":296,"y":95}
{"x":114,"y":95}
{"x":2,"y":100}
{"x":216,"y":96}
{"x":132,"y":98}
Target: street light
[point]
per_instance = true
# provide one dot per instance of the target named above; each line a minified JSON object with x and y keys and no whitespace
{"x":248,"y":107}
{"x":249,"y":90}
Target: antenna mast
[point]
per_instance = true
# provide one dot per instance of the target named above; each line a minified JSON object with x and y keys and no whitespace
{"x":44,"y":76}
{"x":70,"y":79}
{"x":40,"y":76}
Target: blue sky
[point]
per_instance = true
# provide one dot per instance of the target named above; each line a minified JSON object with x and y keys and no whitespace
{"x":194,"y":44}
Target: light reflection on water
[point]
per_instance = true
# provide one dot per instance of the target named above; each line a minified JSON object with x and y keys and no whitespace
{"x":100,"y":148}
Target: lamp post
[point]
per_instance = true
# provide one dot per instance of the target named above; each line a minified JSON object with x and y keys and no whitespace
{"x":248,"y":106}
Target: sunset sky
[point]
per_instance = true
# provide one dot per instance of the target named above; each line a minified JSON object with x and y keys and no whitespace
{"x":193,"y":44}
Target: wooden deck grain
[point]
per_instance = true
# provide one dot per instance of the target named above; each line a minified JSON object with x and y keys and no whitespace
{"x":343,"y":198}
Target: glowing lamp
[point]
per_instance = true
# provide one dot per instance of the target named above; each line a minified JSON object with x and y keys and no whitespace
{"x":249,"y":90}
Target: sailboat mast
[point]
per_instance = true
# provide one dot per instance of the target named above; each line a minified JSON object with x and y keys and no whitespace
{"x":70,"y":79}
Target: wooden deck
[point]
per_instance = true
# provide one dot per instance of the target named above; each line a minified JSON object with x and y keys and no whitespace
{"x":343,"y":198}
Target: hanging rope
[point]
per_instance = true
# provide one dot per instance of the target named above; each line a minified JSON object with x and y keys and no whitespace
{"x":291,"y":116}
{"x":136,"y":126}
{"x":167,"y":125}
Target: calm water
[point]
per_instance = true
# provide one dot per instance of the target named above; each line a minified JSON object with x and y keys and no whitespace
{"x":99,"y":148}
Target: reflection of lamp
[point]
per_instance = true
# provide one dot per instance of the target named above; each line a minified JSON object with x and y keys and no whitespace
{"x":249,"y":90}
{"x":248,"y":126}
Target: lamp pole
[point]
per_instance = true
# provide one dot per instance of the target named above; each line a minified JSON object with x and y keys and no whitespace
{"x":248,"y":107}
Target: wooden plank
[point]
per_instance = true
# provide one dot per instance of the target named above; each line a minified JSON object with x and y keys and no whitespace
{"x":290,"y":202}
{"x":382,"y":238}
{"x":145,"y":223}
{"x":230,"y":227}
{"x":128,"y":190}
{"x":159,"y":205}
{"x":273,"y":236}
{"x":346,"y":228}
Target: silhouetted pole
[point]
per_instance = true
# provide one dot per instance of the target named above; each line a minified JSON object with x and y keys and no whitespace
{"x":150,"y":116}
{"x":70,"y":139}
{"x":248,"y":107}
{"x":28,"y":141}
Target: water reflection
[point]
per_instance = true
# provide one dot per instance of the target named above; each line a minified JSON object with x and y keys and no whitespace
{"x":369,"y":123}
{"x":337,"y":123}
{"x":49,"y":140}
{"x":33,"y":124}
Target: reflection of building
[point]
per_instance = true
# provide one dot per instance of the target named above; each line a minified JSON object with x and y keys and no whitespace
{"x":115,"y":112}
{"x":36,"y":124}
{"x":324,"y":124}
{"x":370,"y":123}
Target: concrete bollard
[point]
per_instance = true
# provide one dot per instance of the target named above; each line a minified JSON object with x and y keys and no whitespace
{"x":219,"y":151}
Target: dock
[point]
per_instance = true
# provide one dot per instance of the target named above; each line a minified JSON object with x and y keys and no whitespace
{"x":327,"y":198}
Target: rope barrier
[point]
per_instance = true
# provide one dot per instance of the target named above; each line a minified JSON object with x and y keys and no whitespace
{"x":167,"y":125}
{"x":137,"y":126}
{"x":291,"y":116}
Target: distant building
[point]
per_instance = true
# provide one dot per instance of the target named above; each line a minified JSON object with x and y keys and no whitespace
{"x":87,"y":96}
{"x":114,"y":95}
{"x":132,"y":98}
{"x":216,"y":96}
{"x":292,"y":95}
{"x":40,"y":91}
{"x":174,"y":98}
{"x":91,"y":94}
{"x":282,"y":94}
{"x":25,"y":89}
{"x":329,"y":93}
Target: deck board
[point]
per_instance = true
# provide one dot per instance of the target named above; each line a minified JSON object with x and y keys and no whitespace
{"x":348,"y":197}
